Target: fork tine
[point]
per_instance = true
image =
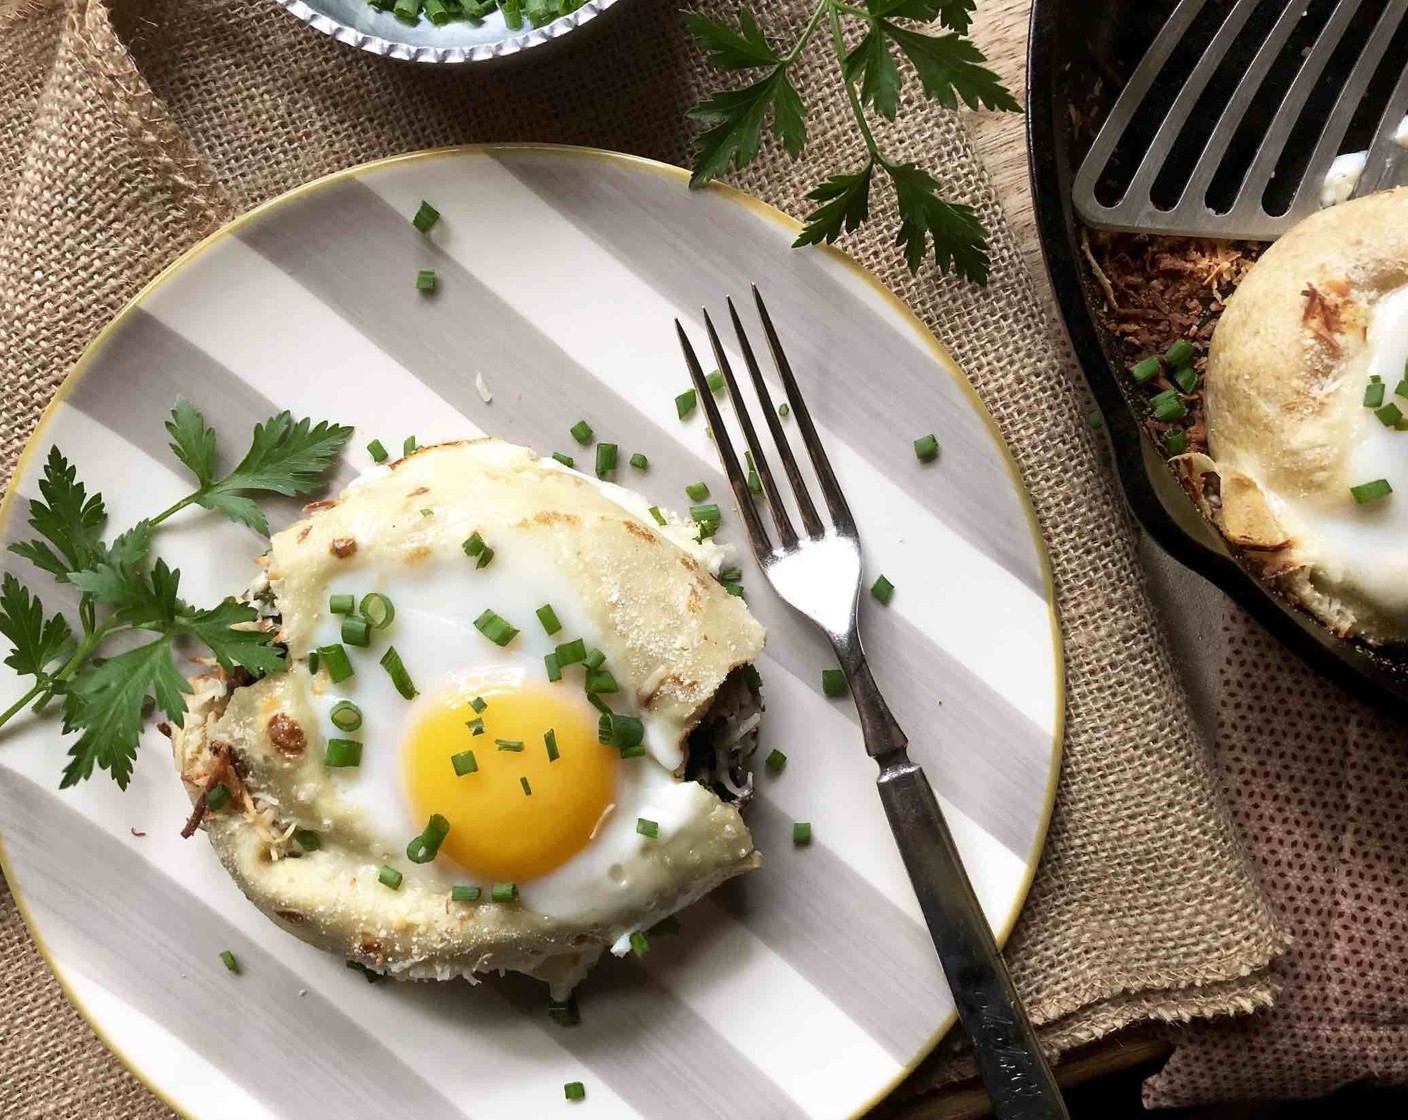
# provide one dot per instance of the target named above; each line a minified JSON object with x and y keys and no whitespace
{"x":1385,"y":154}
{"x":757,"y":535}
{"x":786,"y":534}
{"x":805,"y":505}
{"x":830,"y":488}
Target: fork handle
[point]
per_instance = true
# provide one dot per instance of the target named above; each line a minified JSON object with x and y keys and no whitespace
{"x":1005,"y":1047}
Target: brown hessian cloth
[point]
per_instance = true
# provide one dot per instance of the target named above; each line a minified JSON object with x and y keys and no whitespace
{"x":128,"y":131}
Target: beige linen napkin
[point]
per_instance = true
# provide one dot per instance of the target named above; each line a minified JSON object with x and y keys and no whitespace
{"x":1319,"y":786}
{"x":128,"y":134}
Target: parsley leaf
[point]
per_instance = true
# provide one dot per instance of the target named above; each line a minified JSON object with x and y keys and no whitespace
{"x":38,"y":642}
{"x":737,"y":118}
{"x":68,"y":518}
{"x":114,"y":574}
{"x":955,"y":14}
{"x":949,"y":68}
{"x":729,"y":49}
{"x":873,"y":64}
{"x":958,"y":238}
{"x":191,"y":441}
{"x":845,"y":204}
{"x":104,"y":705}
{"x":285,"y":457}
{"x":222,"y":628}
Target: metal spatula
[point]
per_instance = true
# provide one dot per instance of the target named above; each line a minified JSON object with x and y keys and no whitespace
{"x":1254,"y":125}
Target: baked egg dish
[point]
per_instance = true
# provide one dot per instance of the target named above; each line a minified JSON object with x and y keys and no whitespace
{"x":514,"y":697}
{"x":1306,"y":400}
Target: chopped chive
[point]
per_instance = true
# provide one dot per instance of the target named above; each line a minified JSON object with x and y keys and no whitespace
{"x":581,"y":432}
{"x":409,"y":445}
{"x":731,"y":575}
{"x":1401,"y":389}
{"x":313,"y":662}
{"x":485,"y":557}
{"x":715,"y":381}
{"x":548,"y":617}
{"x":464,"y":894}
{"x":574,"y":1091}
{"x":685,"y":402}
{"x":437,"y":13}
{"x":784,"y":410}
{"x":553,"y":666}
{"x":697,"y":491}
{"x":1179,"y":354}
{"x":342,"y":604}
{"x":391,"y":662}
{"x":334,"y":659}
{"x":1371,"y":491}
{"x":601,"y":682}
{"x":648,"y":828}
{"x":476,"y":726}
{"x":1094,"y":421}
{"x":504,"y":892}
{"x":637,"y":751}
{"x":775,"y":761}
{"x":513,"y":13}
{"x":356,"y":631}
{"x":307,"y":839}
{"x":1374,"y":393}
{"x":527,"y":789}
{"x":217,"y":797}
{"x":464,"y":763}
{"x":926,"y":448}
{"x":640,"y":944}
{"x":605,"y":459}
{"x":378,"y":610}
{"x":1185,"y":377}
{"x":665,"y":927}
{"x":1389,"y":415}
{"x":883,"y":590}
{"x":657,"y":515}
{"x":343,"y":752}
{"x":389,"y":877}
{"x":639,"y":461}
{"x":595,"y":660}
{"x":1145,"y":371}
{"x":426,"y":280}
{"x":565,"y":460}
{"x":495,"y":628}
{"x":755,"y":484}
{"x":1168,"y":405}
{"x":346,"y":716}
{"x":473,"y":544}
{"x":229,"y":959}
{"x":426,"y":217}
{"x":734,"y":589}
{"x":564,"y":1013}
{"x":1176,"y":442}
{"x":514,"y":745}
{"x":833,"y":683}
{"x":706,"y":530}
{"x":479,"y":703}
{"x":377,"y":451}
{"x":598,"y":703}
{"x":569,"y":653}
{"x":550,"y":741}
{"x":705,"y":514}
{"x":801,"y":833}
{"x":616,"y":730}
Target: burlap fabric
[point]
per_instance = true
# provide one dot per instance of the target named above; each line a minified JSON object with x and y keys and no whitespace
{"x":129,"y":134}
{"x":1319,"y":785}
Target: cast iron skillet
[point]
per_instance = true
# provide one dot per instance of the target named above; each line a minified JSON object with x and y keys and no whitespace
{"x":1072,"y":42}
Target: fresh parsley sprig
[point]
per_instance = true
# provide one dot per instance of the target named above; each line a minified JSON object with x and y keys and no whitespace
{"x":949,"y":67}
{"x":122,"y":590}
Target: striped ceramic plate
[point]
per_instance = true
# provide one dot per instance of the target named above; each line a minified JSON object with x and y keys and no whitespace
{"x":804,"y":990}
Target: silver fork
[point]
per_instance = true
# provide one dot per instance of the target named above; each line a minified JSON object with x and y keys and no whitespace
{"x":1386,"y":162}
{"x":819,"y":573}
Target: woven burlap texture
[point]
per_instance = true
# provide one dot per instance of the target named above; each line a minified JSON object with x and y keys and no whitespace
{"x":1319,"y":785}
{"x":138,"y":130}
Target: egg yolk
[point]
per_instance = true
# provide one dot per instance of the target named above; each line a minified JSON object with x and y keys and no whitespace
{"x":520,"y":813}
